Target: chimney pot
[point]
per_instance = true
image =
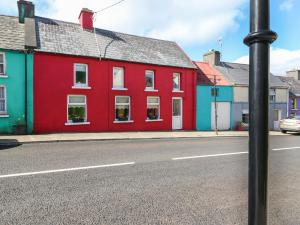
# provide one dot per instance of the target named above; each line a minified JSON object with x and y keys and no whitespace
{"x":26,"y":10}
{"x":212,"y":57}
{"x":86,"y":19}
{"x":294,"y":73}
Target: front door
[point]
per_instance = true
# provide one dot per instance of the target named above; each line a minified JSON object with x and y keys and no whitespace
{"x":223,"y":115}
{"x":277,"y":118}
{"x":177,"y":114}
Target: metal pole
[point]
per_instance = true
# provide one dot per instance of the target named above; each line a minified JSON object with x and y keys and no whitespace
{"x":259,"y":40}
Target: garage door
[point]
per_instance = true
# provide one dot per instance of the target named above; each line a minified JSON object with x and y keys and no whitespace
{"x":223,"y":115}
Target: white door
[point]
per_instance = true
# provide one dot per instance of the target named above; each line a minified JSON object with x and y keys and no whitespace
{"x":223,"y":115}
{"x":176,"y":113}
{"x":277,"y":118}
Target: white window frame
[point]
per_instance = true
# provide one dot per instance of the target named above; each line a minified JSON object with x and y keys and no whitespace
{"x":129,"y":114}
{"x":179,"y":82}
{"x":69,"y":122}
{"x":151,"y":89}
{"x":81,"y":86}
{"x":154,"y":104}
{"x":4,"y":113}
{"x":4,"y":65}
{"x":123,"y":78}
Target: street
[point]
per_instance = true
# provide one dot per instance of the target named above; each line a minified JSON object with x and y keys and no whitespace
{"x":180,"y":181}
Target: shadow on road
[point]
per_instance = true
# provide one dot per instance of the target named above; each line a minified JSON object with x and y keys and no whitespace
{"x":8,"y":143}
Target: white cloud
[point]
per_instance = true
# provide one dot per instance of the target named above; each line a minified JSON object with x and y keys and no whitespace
{"x":281,"y":60}
{"x":187,"y":22}
{"x":286,"y":5}
{"x":7,"y":7}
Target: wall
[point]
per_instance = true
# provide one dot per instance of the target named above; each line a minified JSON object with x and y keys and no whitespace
{"x":15,"y":90}
{"x":54,"y":80}
{"x":240,"y":94}
{"x":281,"y":95}
{"x":203,"y":105}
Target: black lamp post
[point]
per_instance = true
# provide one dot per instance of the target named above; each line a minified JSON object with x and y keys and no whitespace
{"x":259,"y":41}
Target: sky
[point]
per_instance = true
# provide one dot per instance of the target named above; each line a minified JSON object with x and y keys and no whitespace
{"x":196,"y":25}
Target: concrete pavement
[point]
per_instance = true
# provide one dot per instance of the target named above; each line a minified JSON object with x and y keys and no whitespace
{"x":120,"y":136}
{"x":154,"y":190}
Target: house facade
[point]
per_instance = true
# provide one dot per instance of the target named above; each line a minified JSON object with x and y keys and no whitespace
{"x":16,"y":75}
{"x":238,"y":75}
{"x":214,"y":99}
{"x":92,"y":80}
{"x":292,"y":79}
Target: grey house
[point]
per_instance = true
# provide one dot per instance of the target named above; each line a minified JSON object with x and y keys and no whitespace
{"x":238,"y":75}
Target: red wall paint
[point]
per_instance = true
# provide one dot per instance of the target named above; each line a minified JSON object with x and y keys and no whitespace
{"x":53,"y":81}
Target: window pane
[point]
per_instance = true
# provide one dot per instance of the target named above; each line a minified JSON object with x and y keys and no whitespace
{"x":122,"y":112}
{"x":118,"y":77}
{"x":77,"y":99}
{"x":81,"y":74}
{"x":2,"y":92}
{"x":176,"y":81}
{"x":1,"y":68}
{"x":76,"y":114}
{"x":149,"y":79}
{"x":122,"y":99}
{"x":153,"y":100}
{"x":176,"y":107}
{"x":1,"y":58}
{"x":245,"y":118}
{"x":2,"y":105}
{"x":153,"y":112}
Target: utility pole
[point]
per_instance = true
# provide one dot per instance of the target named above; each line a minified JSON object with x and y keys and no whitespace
{"x":259,"y":41}
{"x":216,"y":105}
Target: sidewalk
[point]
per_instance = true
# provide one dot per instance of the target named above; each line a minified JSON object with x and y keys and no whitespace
{"x":22,"y":139}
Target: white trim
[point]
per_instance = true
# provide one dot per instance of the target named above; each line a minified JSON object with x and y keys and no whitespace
{"x":4,"y":116}
{"x":5,"y":101}
{"x":123,"y":78}
{"x":153,"y":80}
{"x":129,"y":113}
{"x":179,"y":82}
{"x":181,"y":110}
{"x":174,"y":91}
{"x":81,"y":86}
{"x":79,"y":104}
{"x":158,"y":120}
{"x":151,"y":90}
{"x":4,"y":65}
{"x":128,"y":121}
{"x":3,"y":76}
{"x":119,"y":89}
{"x":77,"y":124}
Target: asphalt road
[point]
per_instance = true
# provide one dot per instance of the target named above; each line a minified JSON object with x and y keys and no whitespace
{"x":144,"y":182}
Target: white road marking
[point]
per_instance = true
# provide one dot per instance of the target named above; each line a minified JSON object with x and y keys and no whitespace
{"x":65,"y":170}
{"x":207,"y":156}
{"x":282,"y":149}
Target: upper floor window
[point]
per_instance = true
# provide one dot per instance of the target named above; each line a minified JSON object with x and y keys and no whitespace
{"x":149,"y":80}
{"x":80,"y":75}
{"x":2,"y":100}
{"x":294,"y":103}
{"x":176,"y":81}
{"x":272,"y":95}
{"x":77,"y":109}
{"x":118,"y":77}
{"x":2,"y":63}
{"x":215,"y":92}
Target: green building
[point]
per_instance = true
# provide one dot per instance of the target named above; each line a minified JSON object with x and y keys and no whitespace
{"x":16,"y":74}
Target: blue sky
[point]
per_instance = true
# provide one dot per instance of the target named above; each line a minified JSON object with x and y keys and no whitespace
{"x":196,"y":25}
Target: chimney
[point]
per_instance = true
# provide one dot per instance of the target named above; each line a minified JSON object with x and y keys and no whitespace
{"x":212,"y":57}
{"x":294,"y":73}
{"x":86,"y":19}
{"x":26,"y":10}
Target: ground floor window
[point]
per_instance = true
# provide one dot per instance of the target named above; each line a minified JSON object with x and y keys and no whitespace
{"x":153,"y":112}
{"x":2,"y":100}
{"x":122,"y":108}
{"x":294,"y":103}
{"x":245,"y":116}
{"x":77,"y":109}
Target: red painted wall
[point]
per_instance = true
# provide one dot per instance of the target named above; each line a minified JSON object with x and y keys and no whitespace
{"x":53,"y":81}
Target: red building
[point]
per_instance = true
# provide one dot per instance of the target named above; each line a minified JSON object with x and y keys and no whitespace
{"x":91,"y":80}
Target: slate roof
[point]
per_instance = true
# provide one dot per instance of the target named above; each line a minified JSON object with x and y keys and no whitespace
{"x":206,"y":75}
{"x":294,"y":85}
{"x":61,"y":37}
{"x":238,"y":74}
{"x":12,"y":33}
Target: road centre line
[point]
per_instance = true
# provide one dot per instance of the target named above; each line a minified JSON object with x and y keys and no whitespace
{"x":282,"y":149}
{"x":66,"y":170}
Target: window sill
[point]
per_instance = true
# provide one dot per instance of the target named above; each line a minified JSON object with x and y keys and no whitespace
{"x":177,"y":91}
{"x":3,"y":76}
{"x":119,"y":89}
{"x":77,"y":124}
{"x":78,"y":87}
{"x":151,"y":90}
{"x":158,"y":120}
{"x":128,"y":121}
{"x":4,"y":115}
